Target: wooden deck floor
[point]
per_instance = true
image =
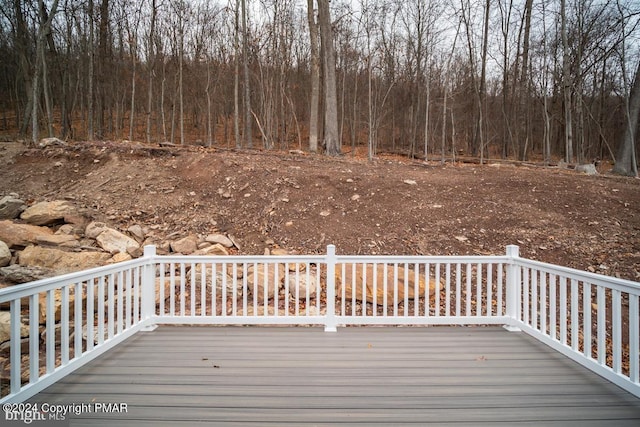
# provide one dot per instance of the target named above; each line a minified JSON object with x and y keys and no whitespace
{"x":357,"y":376}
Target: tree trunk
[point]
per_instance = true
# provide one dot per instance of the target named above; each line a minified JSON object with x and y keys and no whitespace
{"x":331,"y":138}
{"x":566,"y":86}
{"x":236,"y":77}
{"x":626,"y":162}
{"x":151,"y":67}
{"x":247,"y":89}
{"x":90,"y":78}
{"x":315,"y":77}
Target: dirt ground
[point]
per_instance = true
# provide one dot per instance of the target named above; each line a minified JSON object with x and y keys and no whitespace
{"x":303,"y":202}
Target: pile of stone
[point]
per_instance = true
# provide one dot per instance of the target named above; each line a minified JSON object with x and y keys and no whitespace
{"x":50,"y":238}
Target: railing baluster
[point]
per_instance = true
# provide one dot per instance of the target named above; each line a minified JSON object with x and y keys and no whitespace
{"x":575,"y":327}
{"x":543,"y":303}
{"x":120,"y":301}
{"x":183,"y":289}
{"x":364,"y":290}
{"x":602,"y":325}
{"x":447,"y":275}
{"x":458,"y":288}
{"x":234,"y":291}
{"x":203,"y":289}
{"x":437,"y":300}
{"x":479,"y":289}
{"x":245,"y":287}
{"x":586,"y":318}
{"x":634,"y":339}
{"x":192,"y":289}
{"x":563,"y":310}
{"x":34,"y":338}
{"x":136,"y":295}
{"x":500,"y":284}
{"x":616,"y":330}
{"x":64,"y":326}
{"x":214,"y":289}
{"x":427,"y":290}
{"x":416,"y":289}
{"x":161,"y":308}
{"x":553,"y":302}
{"x":172,"y":290}
{"x":534,"y":299}
{"x":467,"y":291}
{"x":15,"y":346}
{"x":100,"y":310}
{"x":490,"y":290}
{"x":128,"y":299}
{"x":525,"y":295}
{"x":111,"y":306}
{"x":406,"y":290}
{"x":50,"y":330}
{"x":385,"y":285}
{"x":90,"y":319}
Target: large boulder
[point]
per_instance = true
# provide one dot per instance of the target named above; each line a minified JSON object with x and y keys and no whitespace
{"x":64,"y":240}
{"x":114,"y":241}
{"x":5,"y":327}
{"x":5,"y":254}
{"x":11,"y":207}
{"x":349,"y":281}
{"x":45,"y":213}
{"x":263,"y":283}
{"x":61,"y":261}
{"x":186,"y":245}
{"x":216,"y":249}
{"x":306,"y":285}
{"x":219,"y":239}
{"x":22,"y":274}
{"x":17,"y":236}
{"x":94,"y":228}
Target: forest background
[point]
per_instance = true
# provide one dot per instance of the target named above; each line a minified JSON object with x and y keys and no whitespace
{"x":528,"y":80}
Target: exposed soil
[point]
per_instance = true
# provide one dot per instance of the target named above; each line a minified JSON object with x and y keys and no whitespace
{"x":303,"y":202}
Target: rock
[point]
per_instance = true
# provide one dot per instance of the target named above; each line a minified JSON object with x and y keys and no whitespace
{"x":291,"y":266}
{"x":65,"y":229}
{"x":21,"y":274}
{"x":310,"y":286}
{"x":216,"y":249}
{"x":45,"y":213}
{"x":410,"y":182}
{"x":135,"y":252}
{"x":5,"y":327}
{"x":186,"y":245}
{"x":94,"y":229}
{"x":114,"y":241}
{"x":348,"y":282}
{"x":589,"y":169}
{"x":137,"y":232}
{"x":17,"y":236}
{"x":11,"y":207}
{"x":64,"y":240}
{"x":48,"y":142}
{"x":219,"y":238}
{"x":61,"y":261}
{"x":256,"y":280}
{"x":5,"y":254}
{"x":120,"y":257}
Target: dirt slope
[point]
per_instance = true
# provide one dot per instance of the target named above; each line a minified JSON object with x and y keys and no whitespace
{"x":304,"y":202}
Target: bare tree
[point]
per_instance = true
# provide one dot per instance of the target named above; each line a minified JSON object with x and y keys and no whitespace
{"x":332,"y":140}
{"x":314,"y":40}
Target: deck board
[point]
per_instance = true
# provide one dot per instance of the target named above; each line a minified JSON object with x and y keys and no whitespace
{"x":181,"y":375}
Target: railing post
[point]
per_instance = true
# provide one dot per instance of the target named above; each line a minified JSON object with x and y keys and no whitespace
{"x":148,"y":303}
{"x":513,"y":286}
{"x":330,"y":322}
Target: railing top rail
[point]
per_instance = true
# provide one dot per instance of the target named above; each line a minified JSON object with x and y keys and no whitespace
{"x":585,"y":276}
{"x":43,"y":285}
{"x":389,"y":259}
{"x":229,"y":259}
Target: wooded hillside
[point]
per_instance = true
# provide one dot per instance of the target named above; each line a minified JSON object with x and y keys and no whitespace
{"x":544,"y":79}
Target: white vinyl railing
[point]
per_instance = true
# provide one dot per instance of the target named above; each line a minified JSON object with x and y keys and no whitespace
{"x":59,"y":324}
